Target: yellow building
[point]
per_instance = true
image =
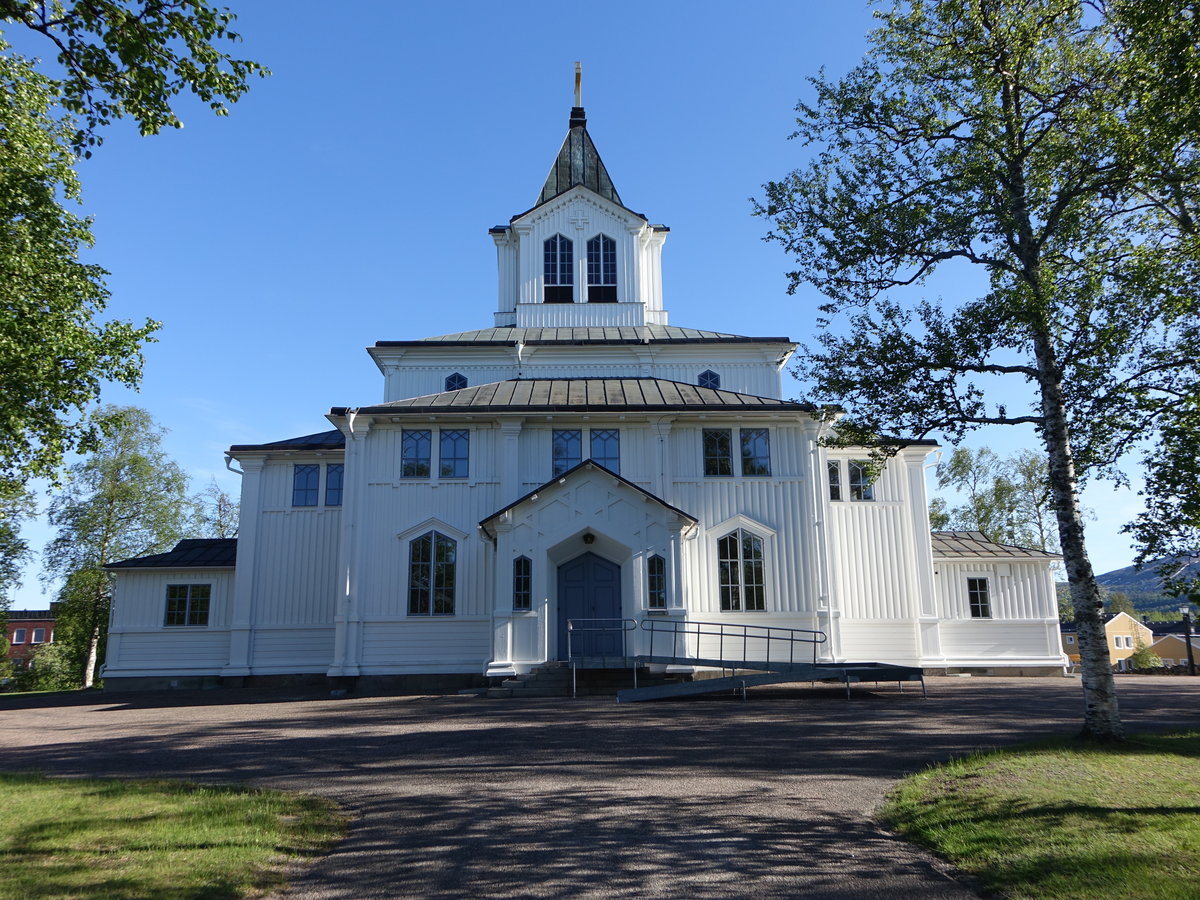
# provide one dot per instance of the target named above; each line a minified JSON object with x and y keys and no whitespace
{"x":1172,"y":650}
{"x":1124,"y":633}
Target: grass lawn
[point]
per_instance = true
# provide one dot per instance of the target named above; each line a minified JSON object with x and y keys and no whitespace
{"x":1065,"y":819}
{"x":62,"y":837}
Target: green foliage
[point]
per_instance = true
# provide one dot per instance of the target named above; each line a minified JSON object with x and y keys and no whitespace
{"x":1168,"y":531}
{"x":1144,"y":658}
{"x":16,"y":506}
{"x":1016,"y":136}
{"x":72,"y":837}
{"x":126,"y":499}
{"x":216,"y":513}
{"x":1119,"y":602}
{"x":55,"y":352}
{"x":134,"y":57}
{"x":1007,"y":499}
{"x":1064,"y":819}
{"x":50,"y":668}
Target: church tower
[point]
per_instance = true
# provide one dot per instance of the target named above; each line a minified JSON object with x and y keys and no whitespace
{"x":579,"y":257}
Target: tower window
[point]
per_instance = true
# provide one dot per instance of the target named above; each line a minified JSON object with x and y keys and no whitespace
{"x":834,"y":468}
{"x":566,"y":449}
{"x":979,"y":599}
{"x":559,"y":257}
{"x":305,"y":479}
{"x":456,"y":382}
{"x":602,"y":269}
{"x":861,"y":487}
{"x":709,"y":379}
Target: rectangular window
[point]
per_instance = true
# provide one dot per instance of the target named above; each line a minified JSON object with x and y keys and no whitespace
{"x":834,"y":469}
{"x":756,"y":451}
{"x":656,"y":582}
{"x":606,"y":448}
{"x":19,"y":636}
{"x":718,"y":452}
{"x":861,"y":487}
{"x":522,"y":583}
{"x":187,"y":604}
{"x":334,"y":473}
{"x":566,"y":449}
{"x":453,"y":452}
{"x":1070,"y":639}
{"x":977,"y":596}
{"x":305,"y":479}
{"x":414,"y":453}
{"x":39,"y":636}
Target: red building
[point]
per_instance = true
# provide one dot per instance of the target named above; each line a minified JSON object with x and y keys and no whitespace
{"x":27,"y":630}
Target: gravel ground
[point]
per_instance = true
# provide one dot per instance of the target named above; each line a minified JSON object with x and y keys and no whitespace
{"x":773,"y":796}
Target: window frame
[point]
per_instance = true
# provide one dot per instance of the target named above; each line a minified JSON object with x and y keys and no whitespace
{"x":558,"y":262}
{"x":709,"y":379}
{"x":733,"y":593}
{"x":656,"y":582}
{"x":607,"y":435}
{"x":862,"y":489}
{"x":601,"y":256}
{"x":434,"y":574}
{"x":19,"y":636}
{"x":456,"y":381}
{"x":979,"y":599}
{"x":745,"y":437}
{"x":459,"y":462}
{"x":583,"y":436}
{"x":411,"y":463}
{"x":522,"y":592}
{"x":189,"y":610}
{"x":833,"y":476}
{"x":311,"y":490}
{"x":35,"y":639}
{"x":715,"y":461}
{"x":334,"y":495}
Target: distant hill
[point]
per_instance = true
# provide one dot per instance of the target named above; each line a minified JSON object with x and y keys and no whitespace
{"x":1143,"y":586}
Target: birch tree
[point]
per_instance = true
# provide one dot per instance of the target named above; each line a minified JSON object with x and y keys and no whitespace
{"x":126,"y":499}
{"x":998,"y":135}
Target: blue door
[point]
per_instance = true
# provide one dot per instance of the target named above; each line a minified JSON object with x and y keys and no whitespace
{"x":589,"y":588}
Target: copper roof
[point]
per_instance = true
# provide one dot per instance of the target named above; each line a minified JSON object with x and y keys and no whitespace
{"x":975,"y":545}
{"x":586,"y":394}
{"x":613,"y":334}
{"x":578,"y":163}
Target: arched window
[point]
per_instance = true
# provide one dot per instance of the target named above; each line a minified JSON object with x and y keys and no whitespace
{"x":456,"y":382}
{"x":709,"y":379}
{"x":431,"y":575}
{"x":602,"y":269}
{"x":740,"y":560}
{"x":559,"y":270}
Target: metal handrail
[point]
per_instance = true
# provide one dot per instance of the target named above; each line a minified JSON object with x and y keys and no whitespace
{"x":768,"y":634}
{"x":626,"y":626}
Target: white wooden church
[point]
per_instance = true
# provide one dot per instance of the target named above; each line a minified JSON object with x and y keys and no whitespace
{"x":580,"y":458}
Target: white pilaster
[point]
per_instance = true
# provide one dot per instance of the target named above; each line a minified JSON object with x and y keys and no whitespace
{"x":241,"y":622}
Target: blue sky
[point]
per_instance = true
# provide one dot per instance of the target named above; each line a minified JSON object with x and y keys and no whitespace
{"x":347,"y":198}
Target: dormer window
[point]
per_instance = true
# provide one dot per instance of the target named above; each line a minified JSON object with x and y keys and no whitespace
{"x":456,"y":382}
{"x":602,"y":269}
{"x":709,"y":379}
{"x":559,"y":257}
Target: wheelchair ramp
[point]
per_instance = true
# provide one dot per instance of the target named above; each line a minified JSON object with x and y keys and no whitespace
{"x":847,"y":674}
